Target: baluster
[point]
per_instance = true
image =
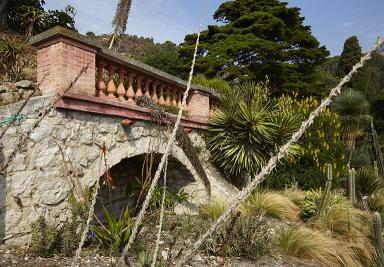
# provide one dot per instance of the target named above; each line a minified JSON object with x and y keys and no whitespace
{"x":111,"y":83}
{"x":161,"y":98}
{"x":120,"y":88}
{"x":100,"y":84}
{"x":155,"y":99}
{"x":168,"y":97}
{"x":130,"y":92}
{"x":139,"y":91}
{"x":147,"y":93}
{"x":174,"y":96}
{"x":179,"y":100}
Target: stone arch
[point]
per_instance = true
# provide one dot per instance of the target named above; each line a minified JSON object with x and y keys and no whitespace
{"x":140,"y":146}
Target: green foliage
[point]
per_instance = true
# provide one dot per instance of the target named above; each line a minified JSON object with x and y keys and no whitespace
{"x":29,"y":17}
{"x":256,"y":38}
{"x":44,"y":238}
{"x":114,"y":236}
{"x":70,"y":234}
{"x":320,"y":145}
{"x":310,"y":204}
{"x":246,"y":129}
{"x":350,"y":56}
{"x":171,"y":198}
{"x":367,"y":181}
{"x":214,"y":84}
{"x":170,"y":201}
{"x":213,"y":210}
{"x":164,"y":58}
{"x":354,"y":111}
{"x":145,"y":258}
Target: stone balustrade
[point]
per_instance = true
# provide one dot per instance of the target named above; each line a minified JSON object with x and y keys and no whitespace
{"x":112,"y":82}
{"x":119,"y":82}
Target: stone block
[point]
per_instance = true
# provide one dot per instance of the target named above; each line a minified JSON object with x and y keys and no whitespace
{"x":52,"y":192}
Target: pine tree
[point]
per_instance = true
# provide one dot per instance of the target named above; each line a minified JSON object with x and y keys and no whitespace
{"x":350,"y":56}
{"x":257,"y":39}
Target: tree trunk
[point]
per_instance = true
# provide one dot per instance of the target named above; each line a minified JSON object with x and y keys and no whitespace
{"x":3,"y":14}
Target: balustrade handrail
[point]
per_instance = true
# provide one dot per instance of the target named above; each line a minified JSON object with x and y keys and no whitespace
{"x":114,"y":56}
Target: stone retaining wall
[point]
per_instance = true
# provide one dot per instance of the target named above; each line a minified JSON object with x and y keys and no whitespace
{"x":68,"y":144}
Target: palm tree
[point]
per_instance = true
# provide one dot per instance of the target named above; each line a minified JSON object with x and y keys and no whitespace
{"x":31,"y":16}
{"x":246,"y":129}
{"x":120,"y":20}
{"x":354,"y":111}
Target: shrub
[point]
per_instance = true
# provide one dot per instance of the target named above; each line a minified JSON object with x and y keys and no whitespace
{"x":44,"y":238}
{"x":47,"y":239}
{"x":12,"y":52}
{"x":295,"y":195}
{"x":70,"y":234}
{"x":303,"y":242}
{"x":310,"y":204}
{"x":250,"y":239}
{"x":272,"y":204}
{"x":213,"y":210}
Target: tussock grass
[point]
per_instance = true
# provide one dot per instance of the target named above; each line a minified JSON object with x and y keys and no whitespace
{"x":303,"y":242}
{"x":350,"y":225}
{"x":213,"y":209}
{"x":272,"y":204}
{"x":295,"y":195}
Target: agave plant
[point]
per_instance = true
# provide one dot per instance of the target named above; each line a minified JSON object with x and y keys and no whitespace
{"x":247,"y":128}
{"x":354,"y":111}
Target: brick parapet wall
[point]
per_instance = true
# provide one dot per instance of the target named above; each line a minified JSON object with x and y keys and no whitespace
{"x":62,"y":60}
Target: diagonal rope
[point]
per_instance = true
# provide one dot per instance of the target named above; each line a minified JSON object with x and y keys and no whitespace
{"x":161,"y":214}
{"x":76,"y":259}
{"x":167,"y":149}
{"x":246,"y":192}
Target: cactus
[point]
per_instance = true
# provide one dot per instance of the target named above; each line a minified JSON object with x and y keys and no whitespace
{"x":327,"y":190}
{"x":376,"y":149}
{"x":352,"y":185}
{"x":378,"y":238}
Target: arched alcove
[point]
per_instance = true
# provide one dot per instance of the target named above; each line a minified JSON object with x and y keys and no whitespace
{"x":126,"y":181}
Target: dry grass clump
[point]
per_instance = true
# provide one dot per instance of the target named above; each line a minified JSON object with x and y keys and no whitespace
{"x":272,"y":204}
{"x":303,"y":242}
{"x":214,"y":209}
{"x":350,"y":225}
{"x":295,"y":195}
{"x":376,"y":201}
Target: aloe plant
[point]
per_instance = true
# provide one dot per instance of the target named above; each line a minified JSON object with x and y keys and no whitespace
{"x":115,"y":235}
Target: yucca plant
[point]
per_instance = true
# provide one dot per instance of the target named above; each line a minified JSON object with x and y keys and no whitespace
{"x":246,"y":129}
{"x":115,"y":235}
